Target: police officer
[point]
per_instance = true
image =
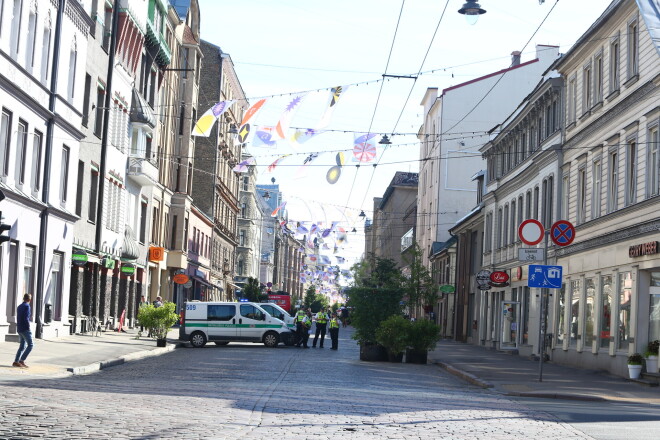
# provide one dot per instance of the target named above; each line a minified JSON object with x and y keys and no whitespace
{"x":306,"y":325}
{"x":321,"y":323}
{"x":298,"y":320}
{"x":334,"y":331}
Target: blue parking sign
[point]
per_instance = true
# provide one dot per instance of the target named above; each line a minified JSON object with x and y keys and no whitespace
{"x":544,"y":276}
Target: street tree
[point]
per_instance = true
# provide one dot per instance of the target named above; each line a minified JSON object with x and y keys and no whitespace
{"x":253,"y":292}
{"x":418,"y":286}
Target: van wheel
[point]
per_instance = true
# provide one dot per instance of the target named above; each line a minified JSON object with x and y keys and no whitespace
{"x":221,"y":342}
{"x":198,"y":339}
{"x":288,"y":339}
{"x":271,"y":339}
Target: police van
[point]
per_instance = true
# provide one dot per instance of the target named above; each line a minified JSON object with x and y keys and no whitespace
{"x":225,"y":322}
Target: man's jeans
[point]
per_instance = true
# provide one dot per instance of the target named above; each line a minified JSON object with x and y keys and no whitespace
{"x":25,"y":346}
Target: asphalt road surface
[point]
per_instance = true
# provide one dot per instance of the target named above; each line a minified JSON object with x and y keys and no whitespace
{"x":247,"y":391}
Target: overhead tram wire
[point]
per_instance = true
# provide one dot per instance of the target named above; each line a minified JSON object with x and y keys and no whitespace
{"x":380,"y":91}
{"x":428,"y":49}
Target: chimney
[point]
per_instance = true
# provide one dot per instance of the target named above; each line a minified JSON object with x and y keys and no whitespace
{"x":515,"y":58}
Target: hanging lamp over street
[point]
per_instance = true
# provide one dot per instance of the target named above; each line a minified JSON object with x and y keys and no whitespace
{"x":472,"y":10}
{"x":385,"y":140}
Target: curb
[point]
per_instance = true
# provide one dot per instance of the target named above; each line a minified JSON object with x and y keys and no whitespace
{"x":96,"y":366}
{"x":465,"y":375}
{"x":559,"y":396}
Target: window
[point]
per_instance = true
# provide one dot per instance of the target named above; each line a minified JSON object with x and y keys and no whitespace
{"x":633,"y":49}
{"x":572,"y":100}
{"x":28,"y":270}
{"x":623,"y":318}
{"x":12,"y":281}
{"x":586,"y":89}
{"x":93,"y":192}
{"x":221,"y":312}
{"x":631,"y":173}
{"x":536,"y":203}
{"x":86,"y":99}
{"x":653,"y":163}
{"x":100,"y":103}
{"x":5,"y":139}
{"x":520,"y":211}
{"x":613,"y":184}
{"x":240,"y":267}
{"x":17,"y":15}
{"x":21,"y":149}
{"x":173,"y":234}
{"x":581,"y":196}
{"x":73,"y":59}
{"x":605,"y":310}
{"x":528,"y":205}
{"x":512,"y":223}
{"x":499,"y":229}
{"x":575,"y":311}
{"x":107,"y":28}
{"x":143,"y":220}
{"x":64,"y":173}
{"x":185,"y":234}
{"x":31,"y":40}
{"x":251,"y":312}
{"x":246,"y":183}
{"x":614,"y":64}
{"x":505,"y":226}
{"x":45,"y":53}
{"x":549,"y":120}
{"x":565,"y":193}
{"x":561,"y":316}
{"x":155,"y":222}
{"x":589,"y":309}
{"x":54,"y":296}
{"x":243,"y":210}
{"x":242,"y":241}
{"x":184,"y":62}
{"x":36,"y":160}
{"x":598,"y":78}
{"x":79,"y":187}
{"x":596,"y":189}
{"x":182,"y":115}
{"x":488,"y":238}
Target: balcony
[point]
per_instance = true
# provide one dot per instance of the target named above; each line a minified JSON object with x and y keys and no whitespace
{"x":142,"y":171}
{"x":164,"y":56}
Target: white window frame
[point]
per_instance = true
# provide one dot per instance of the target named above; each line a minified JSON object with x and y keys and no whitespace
{"x":587,"y":84}
{"x":565,"y":189}
{"x":653,"y":161}
{"x":632,"y":159}
{"x":581,"y":208}
{"x":596,"y":187}
{"x":615,"y":62}
{"x":613,"y":180}
{"x":598,"y":77}
{"x":633,"y":47}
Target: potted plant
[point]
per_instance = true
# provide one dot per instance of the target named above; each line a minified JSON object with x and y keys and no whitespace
{"x":635,"y":365}
{"x":158,"y":320}
{"x":651,"y":356}
{"x":371,"y":306}
{"x":422,"y":337}
{"x":393,"y":335}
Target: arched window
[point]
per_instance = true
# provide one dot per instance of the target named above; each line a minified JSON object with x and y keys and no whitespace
{"x":45,"y":50}
{"x":73,"y":59}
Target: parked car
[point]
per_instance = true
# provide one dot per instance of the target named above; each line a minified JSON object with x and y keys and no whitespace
{"x":281,"y":314}
{"x":225,"y":322}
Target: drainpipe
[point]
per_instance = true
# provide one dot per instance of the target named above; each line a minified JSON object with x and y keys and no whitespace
{"x":45,"y":194}
{"x":106,"y":125}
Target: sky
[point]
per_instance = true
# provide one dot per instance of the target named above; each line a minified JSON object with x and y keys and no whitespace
{"x":286,"y":47}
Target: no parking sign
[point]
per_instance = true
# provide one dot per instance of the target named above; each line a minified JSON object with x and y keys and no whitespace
{"x":562,"y":233}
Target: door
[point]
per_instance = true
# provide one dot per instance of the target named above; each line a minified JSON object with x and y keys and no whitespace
{"x":222,"y":322}
{"x":509,"y":325}
{"x":250,"y":323}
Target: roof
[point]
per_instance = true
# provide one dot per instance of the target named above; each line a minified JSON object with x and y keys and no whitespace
{"x":400,"y":179}
{"x":188,"y":36}
{"x":481,"y":78}
{"x":439,"y":246}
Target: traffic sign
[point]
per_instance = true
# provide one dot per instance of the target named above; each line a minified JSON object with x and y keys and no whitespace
{"x":531,"y":255}
{"x":562,"y":233}
{"x":531,"y":232}
{"x":544,"y":276}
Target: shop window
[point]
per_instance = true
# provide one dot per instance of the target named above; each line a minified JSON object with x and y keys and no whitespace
{"x":654,"y":307}
{"x":525,"y":317}
{"x":623,"y":318}
{"x":589,"y":312}
{"x":575,"y":312}
{"x":605,"y":310}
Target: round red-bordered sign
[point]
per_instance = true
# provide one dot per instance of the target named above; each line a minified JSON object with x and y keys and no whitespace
{"x":562,"y":233}
{"x":531,"y":232}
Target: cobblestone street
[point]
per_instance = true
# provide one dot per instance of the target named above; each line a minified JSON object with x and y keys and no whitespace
{"x":249,"y":391}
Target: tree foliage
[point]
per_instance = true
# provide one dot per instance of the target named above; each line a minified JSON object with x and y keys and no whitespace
{"x":419,"y":288}
{"x":371,"y":306}
{"x":310,"y":296}
{"x":253,"y":292}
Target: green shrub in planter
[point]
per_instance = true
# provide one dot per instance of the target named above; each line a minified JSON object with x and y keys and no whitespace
{"x":423,"y":335}
{"x":635,"y":359}
{"x":371,"y":306}
{"x":652,"y":348}
{"x":393,"y":334}
{"x":158,"y":319}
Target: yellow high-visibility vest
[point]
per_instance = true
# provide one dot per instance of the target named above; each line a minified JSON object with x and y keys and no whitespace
{"x":334,"y":323}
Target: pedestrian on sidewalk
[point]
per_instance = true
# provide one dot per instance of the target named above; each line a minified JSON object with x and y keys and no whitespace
{"x":321,"y":323}
{"x":158,"y":302}
{"x":23,"y":313}
{"x":334,"y":331}
{"x":143,"y":303}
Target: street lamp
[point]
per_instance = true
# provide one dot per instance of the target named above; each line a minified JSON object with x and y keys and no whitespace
{"x":362,"y":214}
{"x":385,"y":140}
{"x":472,"y":10}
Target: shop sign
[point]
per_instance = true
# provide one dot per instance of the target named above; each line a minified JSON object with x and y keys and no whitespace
{"x":640,"y":250}
{"x":447,"y":288}
{"x":156,"y":253}
{"x":127,"y":269}
{"x":180,"y":278}
{"x":187,"y":284}
{"x":483,"y":276}
{"x":516,"y":273}
{"x":108,"y":263}
{"x":499,"y":277}
{"x":483,"y":286}
{"x":79,"y":258}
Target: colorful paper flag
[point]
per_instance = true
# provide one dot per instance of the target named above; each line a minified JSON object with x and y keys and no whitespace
{"x":263,"y":137}
{"x":364,"y":149}
{"x":274,"y":213}
{"x":272,"y":166}
{"x":244,"y":165}
{"x":285,"y":119}
{"x":204,"y":124}
{"x":244,"y":129}
{"x":300,"y":136}
{"x":335,"y":94}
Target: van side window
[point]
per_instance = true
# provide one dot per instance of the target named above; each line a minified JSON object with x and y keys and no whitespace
{"x":251,"y":312}
{"x":221,"y":312}
{"x":269,"y":309}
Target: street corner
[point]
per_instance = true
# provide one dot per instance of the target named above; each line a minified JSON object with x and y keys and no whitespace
{"x":34,"y":370}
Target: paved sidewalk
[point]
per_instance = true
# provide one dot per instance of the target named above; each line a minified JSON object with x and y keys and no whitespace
{"x":514,"y":375}
{"x":80,"y":354}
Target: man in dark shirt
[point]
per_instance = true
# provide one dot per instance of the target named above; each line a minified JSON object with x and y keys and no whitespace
{"x":23,"y":313}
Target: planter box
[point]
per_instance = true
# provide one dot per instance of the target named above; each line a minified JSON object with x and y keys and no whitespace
{"x":161,"y":342}
{"x":373,"y":353}
{"x":416,"y":357}
{"x":397,"y":358}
